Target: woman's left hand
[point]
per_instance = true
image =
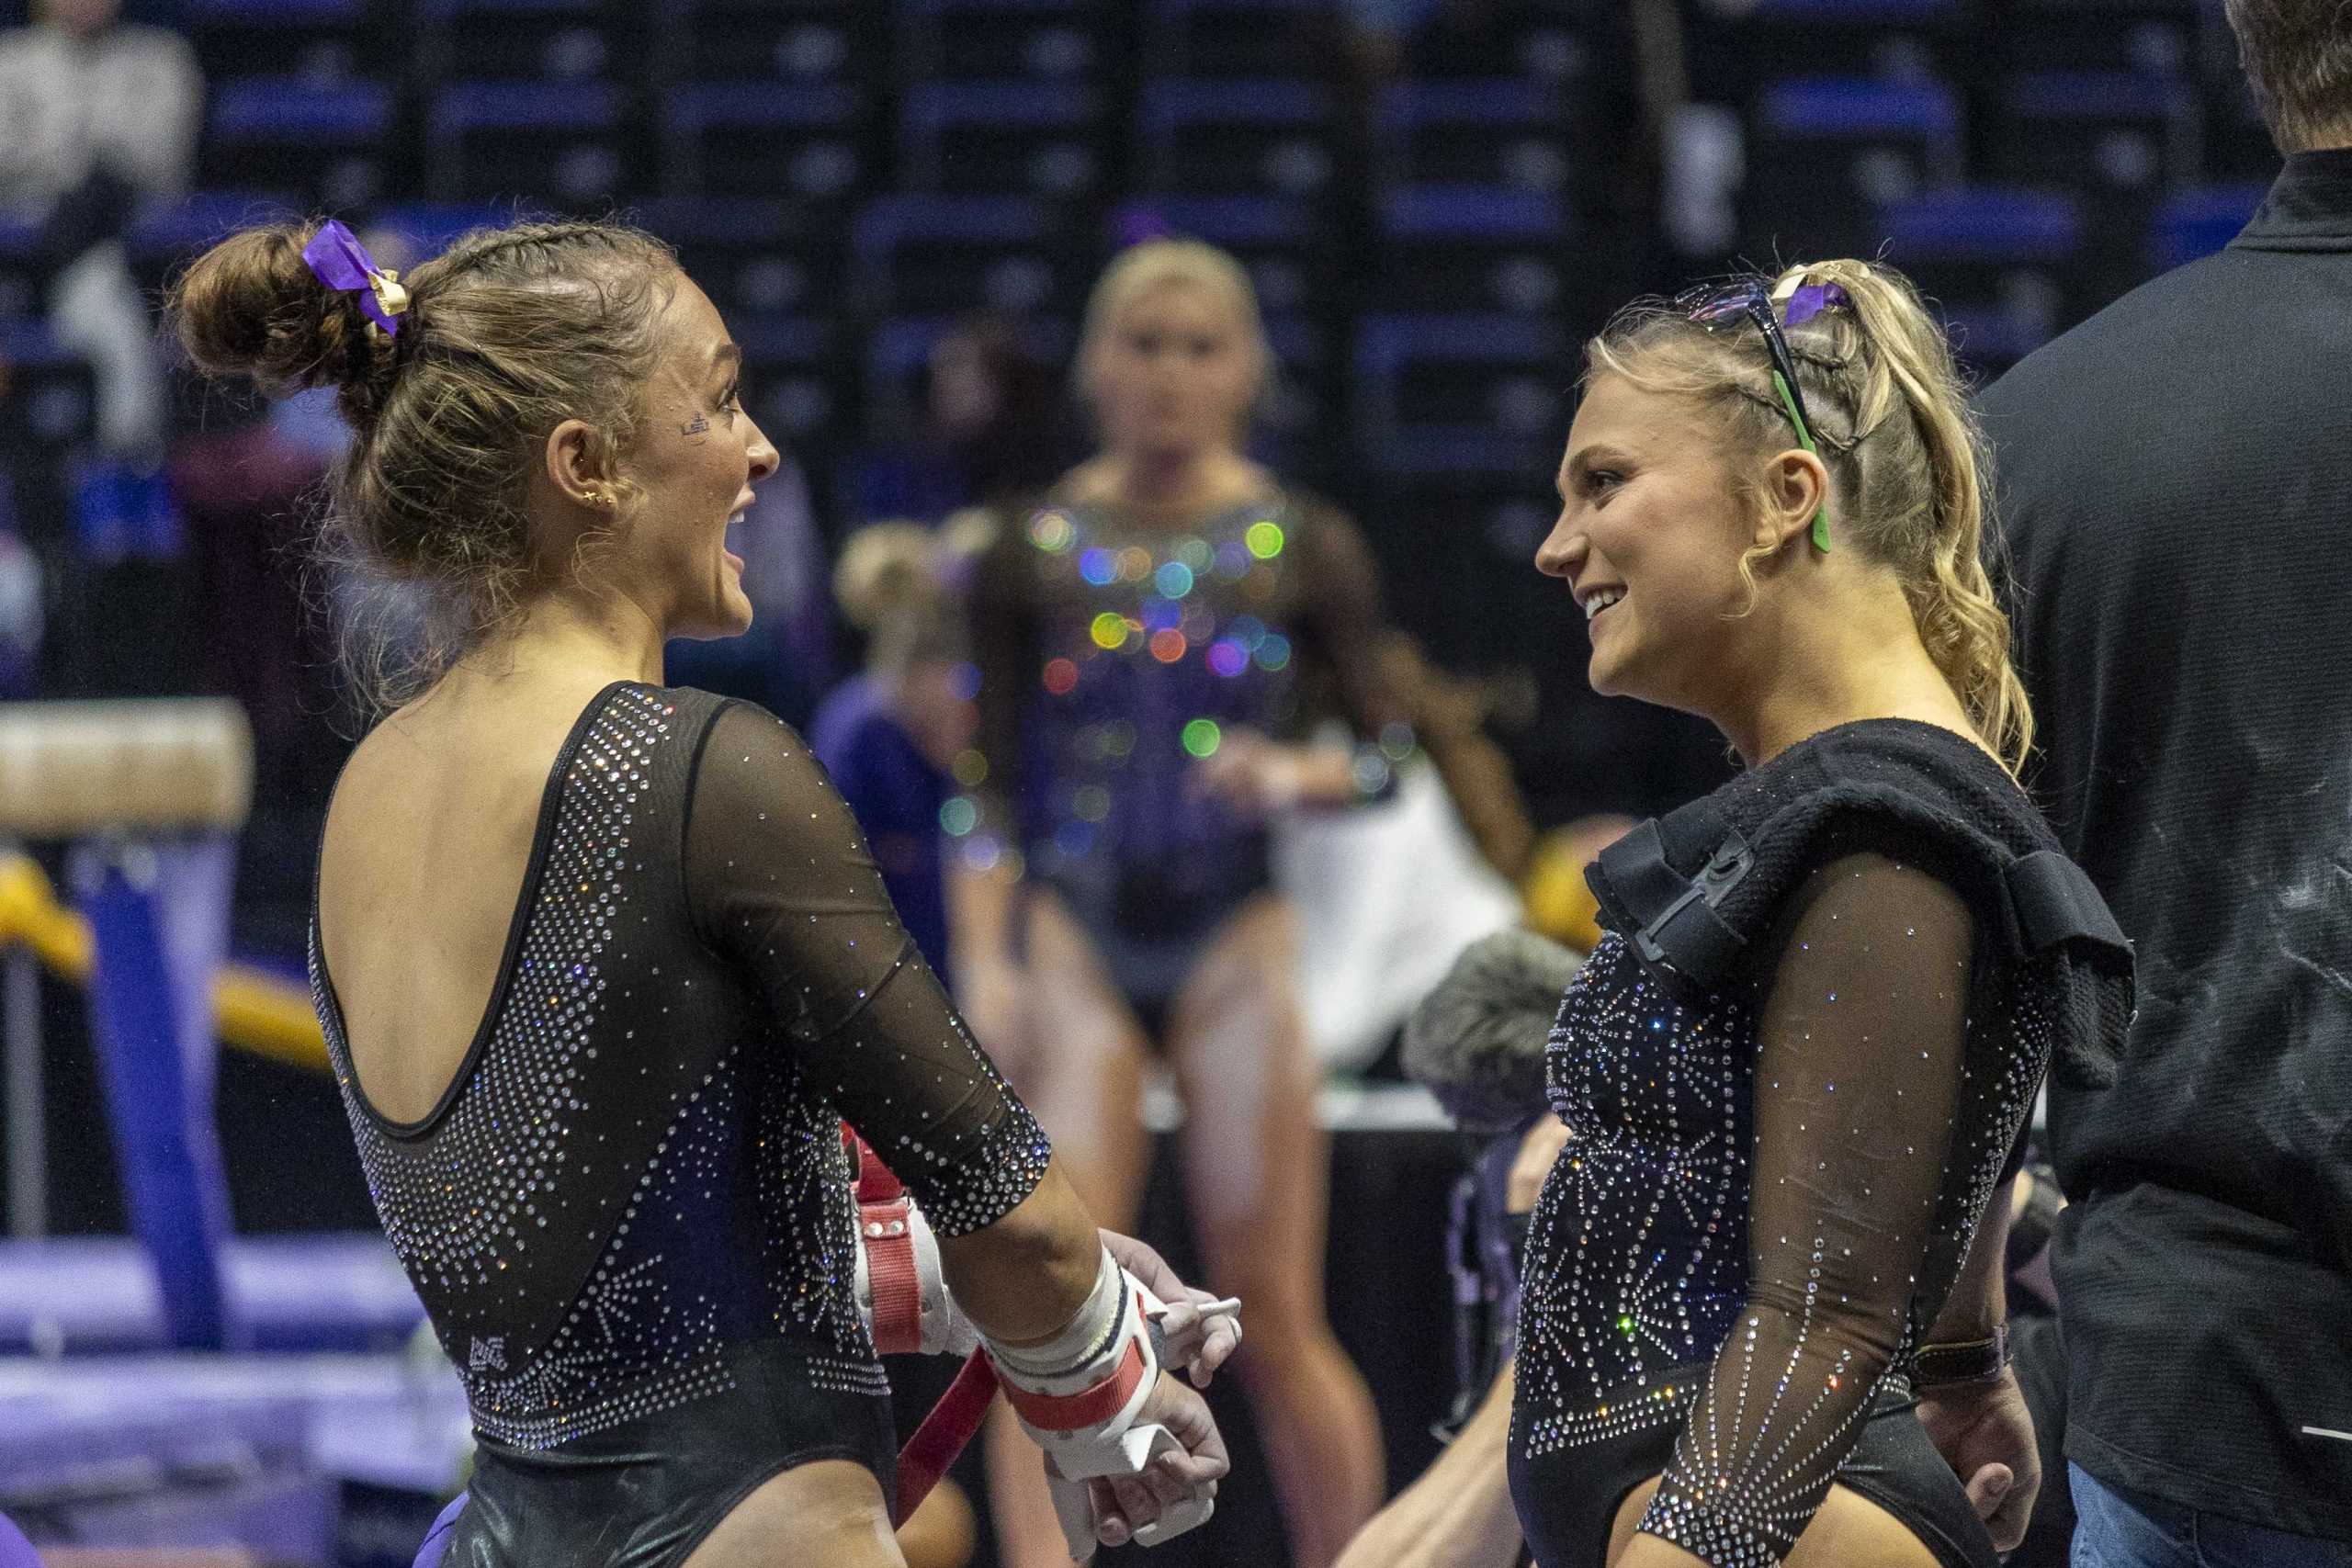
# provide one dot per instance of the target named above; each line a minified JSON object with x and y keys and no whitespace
{"x":1986,"y":1433}
{"x":1197,"y":1344}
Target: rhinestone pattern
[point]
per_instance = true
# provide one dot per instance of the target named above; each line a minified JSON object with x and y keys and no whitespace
{"x":1115,"y":654}
{"x":635,"y":1169}
{"x":1654,"y":1302}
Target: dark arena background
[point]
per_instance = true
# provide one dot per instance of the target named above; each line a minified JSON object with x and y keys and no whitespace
{"x":207,"y":1355}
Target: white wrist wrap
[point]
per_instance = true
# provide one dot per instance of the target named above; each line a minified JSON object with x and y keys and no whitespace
{"x":1079,"y":1396}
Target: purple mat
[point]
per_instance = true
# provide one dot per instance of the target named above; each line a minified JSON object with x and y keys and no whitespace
{"x":223,"y":1450}
{"x":436,"y":1539}
{"x":15,"y":1551}
{"x":330,"y":1291}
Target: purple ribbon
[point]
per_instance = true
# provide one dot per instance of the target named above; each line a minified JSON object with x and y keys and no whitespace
{"x":1812,"y":300}
{"x":343,"y":264}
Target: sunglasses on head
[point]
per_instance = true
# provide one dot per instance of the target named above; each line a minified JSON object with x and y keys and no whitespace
{"x":1723,"y":307}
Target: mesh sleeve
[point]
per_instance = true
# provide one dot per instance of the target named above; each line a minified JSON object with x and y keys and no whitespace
{"x":780,"y":882}
{"x":1858,"y":1080}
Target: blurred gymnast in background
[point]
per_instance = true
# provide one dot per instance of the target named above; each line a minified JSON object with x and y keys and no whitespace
{"x":1149,"y":633}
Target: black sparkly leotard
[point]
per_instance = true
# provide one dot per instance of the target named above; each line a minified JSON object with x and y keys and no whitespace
{"x":1114,"y":654}
{"x":1772,"y":1181}
{"x":630,"y":1217}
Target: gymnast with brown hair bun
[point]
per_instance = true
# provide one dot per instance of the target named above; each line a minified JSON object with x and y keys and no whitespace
{"x":602,"y":965}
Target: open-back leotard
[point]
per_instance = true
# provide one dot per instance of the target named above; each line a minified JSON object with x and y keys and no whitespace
{"x":630,"y":1217}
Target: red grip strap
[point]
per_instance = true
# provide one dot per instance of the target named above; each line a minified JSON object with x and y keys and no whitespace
{"x":1089,"y":1407}
{"x":877,"y":1183}
{"x":890,"y":1272}
{"x":943,"y":1435}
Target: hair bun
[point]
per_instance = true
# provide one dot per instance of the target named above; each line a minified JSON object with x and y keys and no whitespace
{"x":251,"y":307}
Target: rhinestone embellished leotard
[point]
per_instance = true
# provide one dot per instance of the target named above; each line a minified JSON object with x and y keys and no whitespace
{"x":630,"y":1217}
{"x":1114,"y":653}
{"x":1769,"y":1189}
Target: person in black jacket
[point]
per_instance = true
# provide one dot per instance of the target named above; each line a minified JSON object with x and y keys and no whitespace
{"x":2176,"y":485}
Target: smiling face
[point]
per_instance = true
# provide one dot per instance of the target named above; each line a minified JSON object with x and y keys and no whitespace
{"x":694,"y":466}
{"x":1649,"y":539}
{"x":1175,"y":372}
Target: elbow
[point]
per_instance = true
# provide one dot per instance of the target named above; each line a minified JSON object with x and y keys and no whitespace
{"x":1862,"y":1333}
{"x":1025,"y":1275}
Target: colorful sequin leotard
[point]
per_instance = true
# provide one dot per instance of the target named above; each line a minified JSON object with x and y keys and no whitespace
{"x":1770,"y":1183}
{"x":630,"y":1217}
{"x":1114,"y":653}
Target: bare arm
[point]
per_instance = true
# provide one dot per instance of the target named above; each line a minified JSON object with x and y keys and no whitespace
{"x":1459,"y":1514}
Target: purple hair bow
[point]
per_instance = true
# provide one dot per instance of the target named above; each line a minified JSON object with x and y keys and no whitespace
{"x":343,"y":264}
{"x":1812,"y":300}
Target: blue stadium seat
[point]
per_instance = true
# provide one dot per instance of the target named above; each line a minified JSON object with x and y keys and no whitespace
{"x":792,"y":40}
{"x":164,"y":235}
{"x":1245,"y":37}
{"x":431,"y":227}
{"x":985,"y":39}
{"x":765,"y":137}
{"x":1461,"y":418}
{"x":1459,"y":393}
{"x":533,"y":40}
{"x":2005,"y":267}
{"x":327,"y":141}
{"x":1892,"y":40}
{"x":2199,"y":221}
{"x":752,"y":256}
{"x":1824,"y":149}
{"x":1230,"y":136}
{"x":554,"y":139}
{"x":791,"y":372}
{"x":2156,"y":37}
{"x":1509,"y":131}
{"x":1471,"y":248}
{"x":51,"y":405}
{"x":916,"y":254}
{"x":1841,"y":109}
{"x":1040,"y":138}
{"x":1978,"y":226}
{"x":1552,"y":42}
{"x":1288,"y":248}
{"x":320,"y":39}
{"x":2120,"y":130}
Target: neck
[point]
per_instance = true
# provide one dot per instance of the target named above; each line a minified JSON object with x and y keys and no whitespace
{"x":1165,"y":479}
{"x":1823,"y":669}
{"x":571,"y":636}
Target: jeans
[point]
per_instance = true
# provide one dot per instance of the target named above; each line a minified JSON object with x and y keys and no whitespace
{"x":2114,"y":1529}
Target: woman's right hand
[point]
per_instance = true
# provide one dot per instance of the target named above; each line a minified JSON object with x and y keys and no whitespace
{"x":1185,"y":1480}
